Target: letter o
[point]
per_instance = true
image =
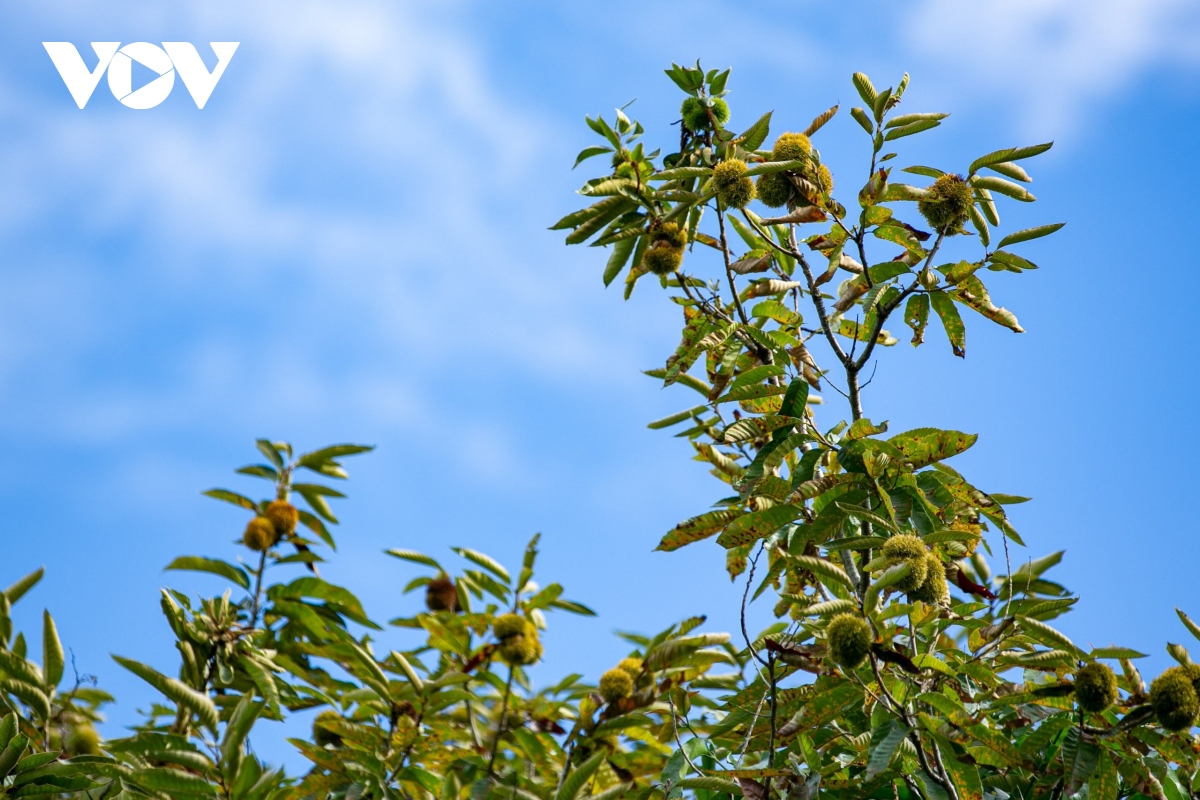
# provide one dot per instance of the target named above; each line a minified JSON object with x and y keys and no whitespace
{"x":120,"y":75}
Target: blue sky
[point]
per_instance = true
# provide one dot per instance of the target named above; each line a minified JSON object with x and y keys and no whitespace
{"x":349,"y":244}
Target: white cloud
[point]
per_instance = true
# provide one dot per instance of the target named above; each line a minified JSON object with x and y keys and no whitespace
{"x":1058,"y":58}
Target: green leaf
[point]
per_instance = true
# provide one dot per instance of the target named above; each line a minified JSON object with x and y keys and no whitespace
{"x":884,"y":742}
{"x":184,"y":695}
{"x":1104,"y":783}
{"x":588,"y":152}
{"x":268,"y":449}
{"x":576,"y":780}
{"x":676,"y":418}
{"x":1007,"y":188}
{"x":822,"y":568}
{"x":52,"y":652}
{"x":1030,"y":233}
{"x":678,"y":173}
{"x":916,"y":316}
{"x":754,"y":427}
{"x":866,"y":90}
{"x":1080,"y":759}
{"x":1046,"y":634}
{"x":485,"y":561}
{"x":211,"y":565}
{"x":29,"y":694}
{"x":1115,"y":652}
{"x":172,"y":781}
{"x":910,"y":129}
{"x":318,"y":504}
{"x":1008,"y":154}
{"x":952,"y":323}
{"x":8,"y":728}
{"x":240,"y":722}
{"x":12,"y":753}
{"x":965,"y":777}
{"x":756,"y":525}
{"x":619,"y":258}
{"x":756,"y":134}
{"x":264,"y":681}
{"x":18,"y":589}
{"x":769,"y":167}
{"x":1010,"y":261}
{"x":909,"y":119}
{"x":414,"y":557}
{"x":863,"y":119}
{"x":233,"y":497}
{"x":924,"y":446}
{"x":1192,"y":627}
{"x":820,"y":121}
{"x":17,"y":667}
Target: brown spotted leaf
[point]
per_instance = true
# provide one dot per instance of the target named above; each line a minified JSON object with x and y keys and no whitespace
{"x":924,"y":446}
{"x":756,"y":525}
{"x":697,"y":528}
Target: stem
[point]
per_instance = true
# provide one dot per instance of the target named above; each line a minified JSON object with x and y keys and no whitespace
{"x":771,"y":730}
{"x":729,"y":267}
{"x":258,"y":581}
{"x":503,"y":719}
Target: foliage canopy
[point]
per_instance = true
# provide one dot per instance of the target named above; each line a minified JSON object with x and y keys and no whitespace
{"x":902,"y":663}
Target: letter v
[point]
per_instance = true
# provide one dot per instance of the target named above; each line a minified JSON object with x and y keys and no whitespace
{"x":80,"y":82}
{"x":196,"y":77}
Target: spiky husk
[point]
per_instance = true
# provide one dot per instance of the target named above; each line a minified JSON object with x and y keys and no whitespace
{"x":774,"y":189}
{"x":670,"y":233}
{"x":632,"y":666}
{"x":734,"y":189}
{"x":322,"y":735}
{"x":822,"y":178}
{"x":1095,"y":687}
{"x":509,"y":625}
{"x":259,"y":535}
{"x":83,"y":741}
{"x":909,"y":548}
{"x":695,"y":113}
{"x":284,"y":516}
{"x":946,"y":205}
{"x":615,"y":685}
{"x":849,"y":640}
{"x":1174,"y":699}
{"x":521,"y":650}
{"x":662,"y":260}
{"x":933,"y":589}
{"x":441,"y":595}
{"x":791,"y":147}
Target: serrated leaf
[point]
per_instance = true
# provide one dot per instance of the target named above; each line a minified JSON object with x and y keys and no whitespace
{"x":577,"y":779}
{"x":1008,"y":154}
{"x":820,"y":121}
{"x":756,"y":525}
{"x":233,"y":497}
{"x":1005,"y":187}
{"x":866,"y":90}
{"x":487,"y":562}
{"x":184,"y":695}
{"x":756,"y":134}
{"x":885,"y":740}
{"x":925,"y":446}
{"x":589,"y":152}
{"x":823,"y":569}
{"x":952,"y":322}
{"x":213,"y":566}
{"x":52,"y":652}
{"x":697,"y":528}
{"x":1030,"y":233}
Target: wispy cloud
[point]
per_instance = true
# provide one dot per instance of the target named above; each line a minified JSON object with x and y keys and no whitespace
{"x":1054,"y":60}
